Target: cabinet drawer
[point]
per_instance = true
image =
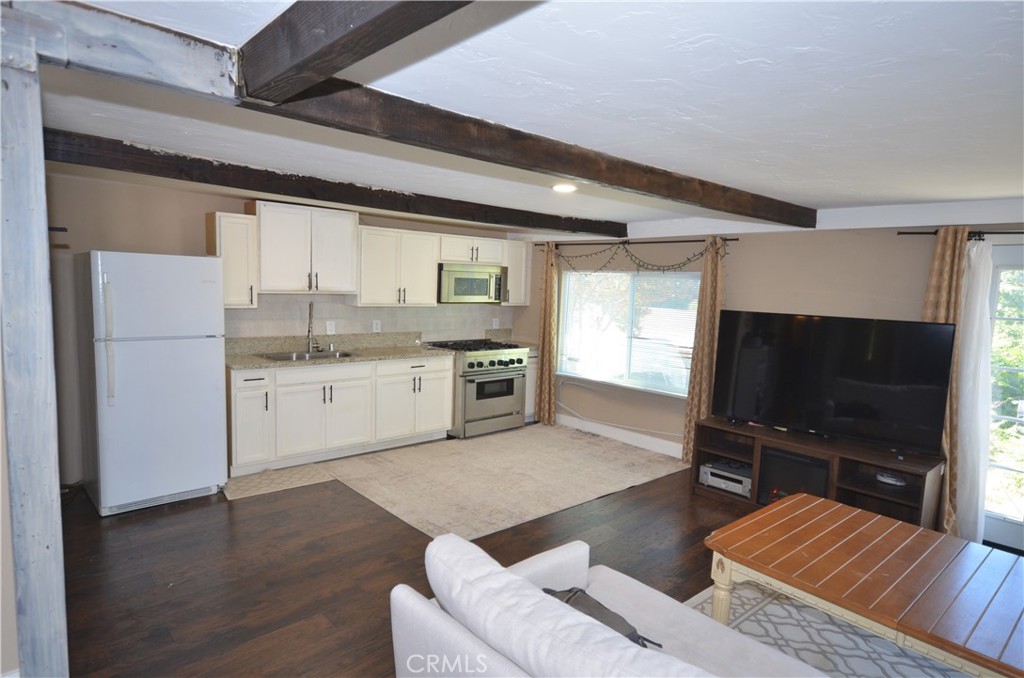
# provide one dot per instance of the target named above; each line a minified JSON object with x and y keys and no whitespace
{"x":241,"y":379}
{"x":323,"y":373}
{"x":393,"y":367}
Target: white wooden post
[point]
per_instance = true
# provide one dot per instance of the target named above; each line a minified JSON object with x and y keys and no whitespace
{"x":26,"y":326}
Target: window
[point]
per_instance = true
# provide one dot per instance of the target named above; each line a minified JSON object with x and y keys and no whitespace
{"x":633,"y":329}
{"x":1004,"y":493}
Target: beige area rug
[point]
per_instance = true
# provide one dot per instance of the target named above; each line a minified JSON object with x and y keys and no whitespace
{"x":477,"y":486}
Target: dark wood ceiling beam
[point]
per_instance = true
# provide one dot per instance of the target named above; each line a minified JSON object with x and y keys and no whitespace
{"x":355,"y":108}
{"x":311,"y":41}
{"x":93,"y":151}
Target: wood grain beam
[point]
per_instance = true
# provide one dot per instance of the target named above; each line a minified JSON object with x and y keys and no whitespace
{"x":311,"y":41}
{"x":101,"y":152}
{"x":355,"y":108}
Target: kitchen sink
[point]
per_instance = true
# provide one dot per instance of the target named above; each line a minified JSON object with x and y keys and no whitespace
{"x":294,"y":357}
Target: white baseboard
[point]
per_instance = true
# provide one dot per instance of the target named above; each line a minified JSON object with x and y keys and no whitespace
{"x":659,"y":445}
{"x":16,"y":673}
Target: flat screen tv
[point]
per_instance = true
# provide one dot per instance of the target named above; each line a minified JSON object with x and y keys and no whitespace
{"x":878,"y":381}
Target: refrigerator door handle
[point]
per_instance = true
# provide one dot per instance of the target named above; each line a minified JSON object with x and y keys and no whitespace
{"x":110,"y":373}
{"x":108,"y":308}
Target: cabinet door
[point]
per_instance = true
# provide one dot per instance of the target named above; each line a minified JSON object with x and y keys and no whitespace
{"x":396,"y":406}
{"x":285,"y":242}
{"x":456,"y":248}
{"x":517,"y":259}
{"x":378,"y":269}
{"x":301,"y":419}
{"x":434,"y":401}
{"x":235,"y":240}
{"x":489,"y":251}
{"x":252,"y":426}
{"x":350,"y":419}
{"x":334,"y":248}
{"x":530,"y":406}
{"x":418,"y":267}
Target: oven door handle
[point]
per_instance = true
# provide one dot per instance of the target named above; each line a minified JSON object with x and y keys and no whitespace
{"x":518,"y":375}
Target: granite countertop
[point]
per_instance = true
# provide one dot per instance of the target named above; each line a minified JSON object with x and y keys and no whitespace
{"x":252,"y":361}
{"x":246,"y":354}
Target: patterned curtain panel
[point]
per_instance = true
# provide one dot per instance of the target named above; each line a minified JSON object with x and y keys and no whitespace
{"x":702,"y":364}
{"x":548,"y":347}
{"x":942,"y":302}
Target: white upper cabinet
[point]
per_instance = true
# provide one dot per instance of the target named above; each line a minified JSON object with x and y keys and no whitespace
{"x":233,"y":238}
{"x":478,"y":250}
{"x":334,"y":251}
{"x":518,"y":257}
{"x":397,"y":268}
{"x":306,"y":249}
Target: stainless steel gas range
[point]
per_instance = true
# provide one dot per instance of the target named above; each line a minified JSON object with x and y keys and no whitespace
{"x":490,"y":386}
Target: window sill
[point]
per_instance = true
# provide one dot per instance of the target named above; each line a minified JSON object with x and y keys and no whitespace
{"x":611,"y":385}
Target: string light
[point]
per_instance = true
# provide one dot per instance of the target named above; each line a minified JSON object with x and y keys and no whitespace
{"x":717,"y":245}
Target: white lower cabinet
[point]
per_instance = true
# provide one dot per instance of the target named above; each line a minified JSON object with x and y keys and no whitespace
{"x":414,"y":396}
{"x":253,"y":416}
{"x":314,"y":407}
{"x":350,"y":413}
{"x":294,"y":415}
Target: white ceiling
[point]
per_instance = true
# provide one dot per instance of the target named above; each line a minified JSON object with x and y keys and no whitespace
{"x":830,"y":105}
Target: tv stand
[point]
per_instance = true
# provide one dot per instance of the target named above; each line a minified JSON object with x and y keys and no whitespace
{"x":840,"y":470}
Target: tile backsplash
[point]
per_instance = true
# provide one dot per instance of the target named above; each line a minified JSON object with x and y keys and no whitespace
{"x":287,"y":314}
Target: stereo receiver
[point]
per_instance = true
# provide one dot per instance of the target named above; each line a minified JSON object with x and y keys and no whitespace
{"x":731,"y":476}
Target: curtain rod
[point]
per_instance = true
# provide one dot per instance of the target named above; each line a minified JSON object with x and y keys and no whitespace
{"x":969,"y":233}
{"x":625,"y":241}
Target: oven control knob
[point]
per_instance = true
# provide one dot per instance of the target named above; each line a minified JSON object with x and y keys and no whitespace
{"x":480,"y":363}
{"x":470,"y":365}
{"x":492,"y":363}
{"x":519,"y":361}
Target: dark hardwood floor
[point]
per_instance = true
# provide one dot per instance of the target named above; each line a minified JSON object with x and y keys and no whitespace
{"x":297,"y":582}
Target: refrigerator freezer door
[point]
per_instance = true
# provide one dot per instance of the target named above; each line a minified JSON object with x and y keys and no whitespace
{"x":163,"y":430}
{"x":155,"y":295}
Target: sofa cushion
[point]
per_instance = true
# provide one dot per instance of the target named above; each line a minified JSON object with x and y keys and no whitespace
{"x":543,"y":635}
{"x":687,"y":633}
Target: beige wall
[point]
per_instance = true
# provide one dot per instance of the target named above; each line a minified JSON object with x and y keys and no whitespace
{"x":8,"y":609}
{"x":870,"y":273}
{"x":107,"y":215}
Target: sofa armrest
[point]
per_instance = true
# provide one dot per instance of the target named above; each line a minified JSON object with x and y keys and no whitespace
{"x":560,"y":568}
{"x":427,"y":641}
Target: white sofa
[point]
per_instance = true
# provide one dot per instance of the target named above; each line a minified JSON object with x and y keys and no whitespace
{"x":490,"y":621}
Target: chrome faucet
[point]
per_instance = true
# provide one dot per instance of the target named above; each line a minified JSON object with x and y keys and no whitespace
{"x":311,"y":343}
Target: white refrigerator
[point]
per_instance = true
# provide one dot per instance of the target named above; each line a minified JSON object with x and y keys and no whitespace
{"x":153,"y":379}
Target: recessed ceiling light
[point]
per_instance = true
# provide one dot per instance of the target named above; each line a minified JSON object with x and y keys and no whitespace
{"x":564,"y":188}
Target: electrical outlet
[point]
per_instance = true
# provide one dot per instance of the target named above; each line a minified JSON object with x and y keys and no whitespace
{"x":494,"y":324}
{"x":331,"y":327}
{"x":376,"y":326}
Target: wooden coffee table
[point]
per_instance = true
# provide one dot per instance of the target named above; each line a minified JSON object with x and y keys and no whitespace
{"x":953,"y":600}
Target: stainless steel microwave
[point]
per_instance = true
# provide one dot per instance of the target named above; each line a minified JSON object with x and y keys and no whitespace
{"x":470,"y":283}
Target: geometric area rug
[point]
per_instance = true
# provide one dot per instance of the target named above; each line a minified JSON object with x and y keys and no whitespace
{"x":831,"y":645}
{"x":476,"y":486}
